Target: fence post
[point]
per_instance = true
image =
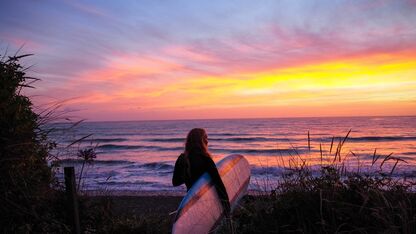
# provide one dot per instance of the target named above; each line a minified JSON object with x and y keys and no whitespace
{"x":72,"y":201}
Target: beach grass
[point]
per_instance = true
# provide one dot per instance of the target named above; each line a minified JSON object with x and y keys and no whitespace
{"x":332,"y":198}
{"x":330,"y":204}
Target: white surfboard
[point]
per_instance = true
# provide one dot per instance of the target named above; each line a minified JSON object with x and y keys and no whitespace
{"x":201,"y":210}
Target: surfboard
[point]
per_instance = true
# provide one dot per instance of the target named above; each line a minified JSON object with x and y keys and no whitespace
{"x":200,"y":210}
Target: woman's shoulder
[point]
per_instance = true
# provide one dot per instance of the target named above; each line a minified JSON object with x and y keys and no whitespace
{"x":207,"y":159}
{"x":180,"y":158}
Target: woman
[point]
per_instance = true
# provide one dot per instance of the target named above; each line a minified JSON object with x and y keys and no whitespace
{"x":195,"y":161}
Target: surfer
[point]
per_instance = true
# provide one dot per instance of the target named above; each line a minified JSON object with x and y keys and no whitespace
{"x":194,"y":162}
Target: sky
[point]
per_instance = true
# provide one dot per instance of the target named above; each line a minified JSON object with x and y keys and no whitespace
{"x":152,"y":60}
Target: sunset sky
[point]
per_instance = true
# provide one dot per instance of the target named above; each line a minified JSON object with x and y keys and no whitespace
{"x":133,"y":60}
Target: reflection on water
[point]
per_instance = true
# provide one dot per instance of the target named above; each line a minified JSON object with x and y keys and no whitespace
{"x":140,"y":155}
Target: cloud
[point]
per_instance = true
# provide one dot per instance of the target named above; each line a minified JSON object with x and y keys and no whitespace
{"x":185,"y":55}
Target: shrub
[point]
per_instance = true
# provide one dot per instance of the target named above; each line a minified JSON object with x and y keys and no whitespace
{"x":332,"y":201}
{"x":25,"y":176}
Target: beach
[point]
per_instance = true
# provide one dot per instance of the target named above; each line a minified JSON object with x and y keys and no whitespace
{"x":139,"y":202}
{"x":144,"y":202}
{"x":140,"y":205}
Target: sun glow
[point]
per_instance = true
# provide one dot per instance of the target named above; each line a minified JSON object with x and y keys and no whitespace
{"x":372,"y":78}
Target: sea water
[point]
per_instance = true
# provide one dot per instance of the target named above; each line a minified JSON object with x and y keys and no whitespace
{"x":140,"y":155}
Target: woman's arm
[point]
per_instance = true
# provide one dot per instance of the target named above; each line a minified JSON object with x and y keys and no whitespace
{"x":178,"y":172}
{"x":219,"y":185}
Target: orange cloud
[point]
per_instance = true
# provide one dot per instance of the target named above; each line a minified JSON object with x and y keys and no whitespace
{"x":125,"y":68}
{"x":189,"y":54}
{"x":381,"y":84}
{"x":351,"y":84}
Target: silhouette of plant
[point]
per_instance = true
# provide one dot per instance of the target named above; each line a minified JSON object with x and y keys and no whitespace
{"x":87,"y":155}
{"x":25,"y":176}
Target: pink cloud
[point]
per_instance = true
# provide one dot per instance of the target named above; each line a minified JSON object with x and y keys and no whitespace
{"x":123,"y":68}
{"x":89,"y":9}
{"x":18,"y":42}
{"x":188,"y":53}
{"x":276,"y":47}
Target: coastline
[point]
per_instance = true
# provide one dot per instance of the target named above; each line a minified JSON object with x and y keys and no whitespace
{"x":151,"y":193}
{"x":139,"y":203}
{"x":132,"y":193}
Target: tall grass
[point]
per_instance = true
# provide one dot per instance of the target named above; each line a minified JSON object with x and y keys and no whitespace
{"x":333,"y":198}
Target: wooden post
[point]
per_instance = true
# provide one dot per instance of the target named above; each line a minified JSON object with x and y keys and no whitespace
{"x":72,"y":201}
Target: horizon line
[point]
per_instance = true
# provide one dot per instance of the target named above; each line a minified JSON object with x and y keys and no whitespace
{"x":242,"y":118}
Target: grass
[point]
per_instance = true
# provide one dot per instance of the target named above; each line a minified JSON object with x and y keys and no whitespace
{"x":337,"y":199}
{"x":330,"y":204}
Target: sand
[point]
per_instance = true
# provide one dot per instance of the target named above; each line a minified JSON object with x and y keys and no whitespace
{"x":139,"y":205}
{"x":142,"y":202}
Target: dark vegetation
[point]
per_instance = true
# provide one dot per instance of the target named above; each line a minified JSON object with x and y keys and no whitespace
{"x":25,"y":176}
{"x":332,"y":201}
{"x":330,"y":204}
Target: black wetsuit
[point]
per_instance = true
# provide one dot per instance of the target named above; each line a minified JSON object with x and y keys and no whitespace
{"x":199,"y":164}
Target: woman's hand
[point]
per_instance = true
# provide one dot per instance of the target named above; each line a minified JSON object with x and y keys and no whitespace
{"x":227,"y":208}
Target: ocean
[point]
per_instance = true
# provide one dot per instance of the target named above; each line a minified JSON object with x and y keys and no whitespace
{"x":140,"y":155}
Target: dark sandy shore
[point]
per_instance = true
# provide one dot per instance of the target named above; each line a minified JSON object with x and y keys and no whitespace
{"x":139,"y":202}
{"x":139,"y":205}
{"x":142,"y":202}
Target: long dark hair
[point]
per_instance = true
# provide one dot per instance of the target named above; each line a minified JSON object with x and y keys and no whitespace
{"x":196,"y":143}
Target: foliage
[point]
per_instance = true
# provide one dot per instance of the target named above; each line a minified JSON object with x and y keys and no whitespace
{"x":334,"y":200}
{"x":357,"y":204}
{"x":87,"y":155}
{"x":25,"y":176}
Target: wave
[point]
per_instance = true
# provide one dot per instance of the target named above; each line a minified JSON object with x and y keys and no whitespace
{"x":224,"y":134}
{"x":136,"y":182}
{"x":152,"y":166}
{"x":229,"y":134}
{"x":230,"y":139}
{"x":260,"y":151}
{"x":129,"y":164}
{"x":383,"y":138}
{"x":276,"y":171}
{"x":121,"y":147}
{"x":111,"y":147}
{"x":369,"y":139}
{"x":106,"y":140}
{"x":105,"y":162}
{"x":251,"y":139}
{"x":166,"y":140}
{"x":97,"y":140}
{"x":158,"y":166}
{"x":138,"y":133}
{"x":133,"y":147}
